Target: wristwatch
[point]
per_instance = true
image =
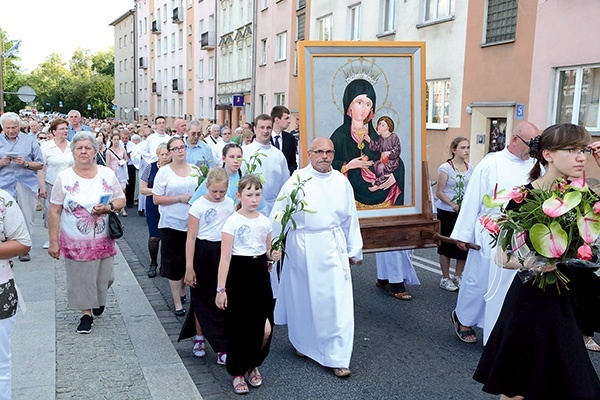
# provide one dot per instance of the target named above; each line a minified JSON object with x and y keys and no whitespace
{"x":112,"y":206}
{"x":27,"y":164}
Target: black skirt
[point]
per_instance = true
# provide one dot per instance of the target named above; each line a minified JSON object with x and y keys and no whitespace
{"x":536,"y":349}
{"x":249,"y":306}
{"x":447,"y":222}
{"x":172,"y":253}
{"x":212,"y":319}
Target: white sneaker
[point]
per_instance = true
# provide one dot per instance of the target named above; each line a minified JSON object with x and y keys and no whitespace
{"x":199,"y":349}
{"x":46,"y":245}
{"x":447,"y":284}
{"x":457,"y":280}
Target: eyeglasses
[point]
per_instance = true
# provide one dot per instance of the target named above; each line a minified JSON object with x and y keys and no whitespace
{"x":585,"y":151}
{"x":178,"y":149}
{"x":320,"y":153}
{"x":523,"y":140}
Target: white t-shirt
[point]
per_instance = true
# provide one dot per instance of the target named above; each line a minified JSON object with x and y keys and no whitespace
{"x":249,"y":234}
{"x":168,"y":183}
{"x":55,"y":159}
{"x":211,"y":217}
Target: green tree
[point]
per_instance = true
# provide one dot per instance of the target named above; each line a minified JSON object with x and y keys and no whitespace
{"x":103,"y":62}
{"x":49,"y":80}
{"x":13,"y":79}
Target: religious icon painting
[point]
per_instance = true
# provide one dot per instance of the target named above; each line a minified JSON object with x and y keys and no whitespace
{"x":369,"y":99}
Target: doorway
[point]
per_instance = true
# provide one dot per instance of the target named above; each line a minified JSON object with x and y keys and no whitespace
{"x":496,"y":134}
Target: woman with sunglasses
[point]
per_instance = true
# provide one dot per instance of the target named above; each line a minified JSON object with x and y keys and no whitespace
{"x":173,"y":188}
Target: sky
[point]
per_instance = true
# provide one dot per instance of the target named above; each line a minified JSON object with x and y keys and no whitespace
{"x":60,"y":26}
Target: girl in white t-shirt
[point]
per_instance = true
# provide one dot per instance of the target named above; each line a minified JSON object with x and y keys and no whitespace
{"x":207,"y":216}
{"x":244,"y":287}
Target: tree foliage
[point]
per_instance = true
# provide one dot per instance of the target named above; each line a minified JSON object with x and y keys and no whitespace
{"x":87,"y":80}
{"x":13,"y":78}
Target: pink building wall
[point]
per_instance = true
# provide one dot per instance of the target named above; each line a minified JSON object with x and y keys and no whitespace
{"x":274,"y":77}
{"x":567,"y":33}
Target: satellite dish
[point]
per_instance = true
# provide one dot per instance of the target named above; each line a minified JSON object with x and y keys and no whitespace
{"x":26,"y":94}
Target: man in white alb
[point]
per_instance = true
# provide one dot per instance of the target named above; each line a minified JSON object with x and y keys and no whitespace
{"x":213,"y":136}
{"x":274,"y":165}
{"x":484,"y":284}
{"x":315,"y":293}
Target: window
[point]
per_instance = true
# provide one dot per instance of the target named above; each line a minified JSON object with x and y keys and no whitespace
{"x":301,"y":4}
{"x":121,"y":66}
{"x":165,"y":77}
{"x":181,"y":39}
{"x":263,"y":51}
{"x":211,"y":68}
{"x":264,"y":4}
{"x":325,"y":25}
{"x":354,"y":22}
{"x":190,"y":30}
{"x":125,"y":88}
{"x":165,"y":13}
{"x":389,"y":15}
{"x":201,"y":70}
{"x":281,"y":46}
{"x":501,"y":24}
{"x":145,"y":25}
{"x":577,"y":97}
{"x":158,"y":46}
{"x":165,"y":45}
{"x":438,"y":101}
{"x":173,"y":41}
{"x":211,"y":107}
{"x":120,"y":42}
{"x":262,"y":103}
{"x":201,"y":105}
{"x":437,"y":9}
{"x":125,"y":40}
{"x":249,"y":60}
{"x":300,"y":26}
{"x":279,"y":99}
{"x":190,"y":56}
{"x":125,"y":64}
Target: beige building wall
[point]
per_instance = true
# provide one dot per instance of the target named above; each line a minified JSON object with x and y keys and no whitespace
{"x":124,"y":66}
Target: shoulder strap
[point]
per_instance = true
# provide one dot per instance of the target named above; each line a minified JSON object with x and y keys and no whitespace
{"x":111,"y":150}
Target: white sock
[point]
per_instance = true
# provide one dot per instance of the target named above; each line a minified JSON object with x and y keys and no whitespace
{"x":201,"y":337}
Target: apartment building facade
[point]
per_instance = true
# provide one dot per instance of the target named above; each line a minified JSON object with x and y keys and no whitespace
{"x":124,"y":49}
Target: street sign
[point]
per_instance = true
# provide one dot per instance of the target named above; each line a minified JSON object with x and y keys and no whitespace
{"x":114,"y":101}
{"x":238,"y":101}
{"x":114,"y":107}
{"x":26,"y":94}
{"x":520,"y":112}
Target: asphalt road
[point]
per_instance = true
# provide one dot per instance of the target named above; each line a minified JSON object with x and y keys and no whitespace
{"x":402,"y":349}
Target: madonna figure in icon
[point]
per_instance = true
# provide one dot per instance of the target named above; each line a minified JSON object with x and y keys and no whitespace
{"x":355,"y":160}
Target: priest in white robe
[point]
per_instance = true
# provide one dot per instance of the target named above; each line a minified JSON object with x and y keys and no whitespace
{"x":315,"y":293}
{"x":485,"y":284}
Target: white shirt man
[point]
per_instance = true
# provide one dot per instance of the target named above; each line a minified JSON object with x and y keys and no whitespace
{"x":147,"y":148}
{"x":484,"y":284}
{"x":218,"y":147}
{"x":274,"y":166}
{"x":213,"y":137}
{"x":315,"y":293}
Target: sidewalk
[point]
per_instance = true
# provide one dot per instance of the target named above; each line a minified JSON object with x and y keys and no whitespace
{"x":128,"y":354}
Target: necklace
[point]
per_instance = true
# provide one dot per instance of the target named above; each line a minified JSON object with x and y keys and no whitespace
{"x":457,"y":169}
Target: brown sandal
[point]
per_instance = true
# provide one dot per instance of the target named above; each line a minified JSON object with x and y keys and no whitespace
{"x":402,"y":296}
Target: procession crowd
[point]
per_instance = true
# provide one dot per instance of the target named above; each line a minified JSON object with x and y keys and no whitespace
{"x":216,"y":201}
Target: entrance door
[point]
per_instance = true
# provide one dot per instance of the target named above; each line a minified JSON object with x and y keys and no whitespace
{"x":497,"y":134}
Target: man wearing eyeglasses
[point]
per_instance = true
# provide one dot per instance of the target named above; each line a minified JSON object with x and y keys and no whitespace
{"x":315,"y":293}
{"x":198,"y":152}
{"x":484,"y":284}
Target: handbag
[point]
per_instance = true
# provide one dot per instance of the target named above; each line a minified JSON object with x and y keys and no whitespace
{"x":115,"y":228}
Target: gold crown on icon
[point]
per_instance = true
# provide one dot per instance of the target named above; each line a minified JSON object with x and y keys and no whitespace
{"x":361,"y":68}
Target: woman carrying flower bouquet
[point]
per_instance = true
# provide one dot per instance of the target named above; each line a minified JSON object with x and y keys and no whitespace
{"x":453,"y":176}
{"x":535,"y":350}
